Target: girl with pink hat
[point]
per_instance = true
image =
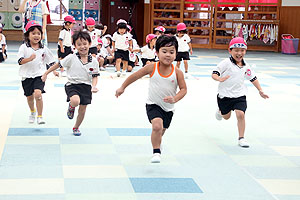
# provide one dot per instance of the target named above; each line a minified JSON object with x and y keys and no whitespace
{"x":94,"y":33}
{"x":232,"y":91}
{"x":148,"y":52}
{"x":184,"y":47}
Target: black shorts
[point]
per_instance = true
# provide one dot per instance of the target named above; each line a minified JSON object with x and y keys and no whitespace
{"x":31,"y":84}
{"x":93,"y":50}
{"x":82,"y":90}
{"x":228,"y":104}
{"x":155,"y":111}
{"x":131,"y":64}
{"x":2,"y":54}
{"x":124,"y":55}
{"x":68,"y":50}
{"x":144,"y":60}
{"x":182,"y":56}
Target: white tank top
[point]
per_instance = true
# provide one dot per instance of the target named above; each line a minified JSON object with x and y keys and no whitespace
{"x":161,"y":86}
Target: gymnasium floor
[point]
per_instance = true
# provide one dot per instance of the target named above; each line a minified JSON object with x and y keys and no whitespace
{"x":111,"y":160}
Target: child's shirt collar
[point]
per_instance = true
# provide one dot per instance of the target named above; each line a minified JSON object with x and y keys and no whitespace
{"x":29,"y":45}
{"x":89,"y":57}
{"x":234,"y":61}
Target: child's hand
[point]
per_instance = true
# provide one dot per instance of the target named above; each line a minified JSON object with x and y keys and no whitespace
{"x":94,"y":89}
{"x":62,"y":50}
{"x":56,"y":73}
{"x":263,"y":95}
{"x":32,"y":57}
{"x":169,"y":99}
{"x":119,"y":92}
{"x":223,"y":78}
{"x":44,"y":77}
{"x":191,"y":52}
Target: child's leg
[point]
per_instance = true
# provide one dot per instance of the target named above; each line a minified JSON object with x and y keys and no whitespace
{"x":178,"y":64}
{"x":30,"y":101}
{"x":240,"y":115}
{"x":101,"y":61}
{"x":129,"y":68}
{"x":157,"y":132}
{"x":38,"y":101}
{"x":74,"y":100}
{"x":80,"y":117}
{"x":118,"y":63}
{"x":227,"y":116}
{"x":125,"y":65}
{"x":186,"y":65}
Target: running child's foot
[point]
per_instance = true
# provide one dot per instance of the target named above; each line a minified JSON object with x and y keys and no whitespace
{"x":71,"y":111}
{"x":243,"y":143}
{"x":32,"y":117}
{"x":76,"y":132}
{"x":186,"y":75}
{"x":118,"y":73}
{"x":218,"y":115}
{"x":123,"y":73}
{"x":102,"y":69}
{"x":64,"y":74}
{"x":155,"y":158}
{"x":40,"y":120}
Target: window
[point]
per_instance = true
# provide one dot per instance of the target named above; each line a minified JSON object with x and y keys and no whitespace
{"x":55,"y":8}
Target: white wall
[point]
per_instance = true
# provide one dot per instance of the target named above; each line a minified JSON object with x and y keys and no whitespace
{"x":290,"y":2}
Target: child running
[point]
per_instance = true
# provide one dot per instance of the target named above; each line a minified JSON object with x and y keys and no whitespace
{"x":65,"y":40}
{"x":32,"y":58}
{"x":160,"y":30}
{"x":162,"y":93}
{"x":82,"y":72}
{"x":231,"y":73}
{"x":184,"y":47}
{"x":94,"y":34}
{"x":122,"y":44}
{"x":3,"y":55}
{"x":148,"y":51}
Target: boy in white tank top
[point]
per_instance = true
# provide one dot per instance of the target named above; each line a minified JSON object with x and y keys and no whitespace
{"x":162,"y":93}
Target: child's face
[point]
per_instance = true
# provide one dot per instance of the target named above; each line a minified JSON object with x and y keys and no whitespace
{"x":71,"y":25}
{"x":122,"y":31}
{"x":180,"y":33}
{"x":167,"y":55}
{"x":90,"y":28}
{"x":82,"y":46}
{"x":99,"y":46}
{"x":158,"y":33}
{"x":153,"y":41}
{"x":35,"y":36}
{"x":238,"y":54}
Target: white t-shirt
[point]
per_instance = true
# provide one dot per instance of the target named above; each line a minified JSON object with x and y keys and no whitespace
{"x":95,"y":34}
{"x":183,"y":43}
{"x":234,"y":86}
{"x":36,"y":67}
{"x":103,"y":53}
{"x":2,"y":41}
{"x":147,"y":53}
{"x":121,"y":41}
{"x":162,"y":86}
{"x":66,"y":37}
{"x":132,"y":55}
{"x":80,"y":73}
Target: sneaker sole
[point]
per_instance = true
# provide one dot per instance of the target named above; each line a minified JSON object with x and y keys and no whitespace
{"x":77,"y":134}
{"x":42,"y":123}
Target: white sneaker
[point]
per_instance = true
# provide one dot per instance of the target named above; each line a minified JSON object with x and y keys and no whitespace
{"x":218,"y":115}
{"x":186,"y":75}
{"x":102,"y":69}
{"x":40,"y":120}
{"x":123,"y":73}
{"x":155,"y":158}
{"x":243,"y":143}
{"x":32,"y":118}
{"x":118,"y":73}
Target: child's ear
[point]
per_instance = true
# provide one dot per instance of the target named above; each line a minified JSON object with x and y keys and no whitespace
{"x":229,"y":50}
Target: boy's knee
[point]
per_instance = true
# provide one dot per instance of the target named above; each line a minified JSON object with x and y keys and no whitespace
{"x":240,"y":115}
{"x":38,"y":95}
{"x":157,"y":127}
{"x":75,"y":100}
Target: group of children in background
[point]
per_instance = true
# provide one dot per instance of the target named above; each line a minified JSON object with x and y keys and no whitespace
{"x":84,"y":53}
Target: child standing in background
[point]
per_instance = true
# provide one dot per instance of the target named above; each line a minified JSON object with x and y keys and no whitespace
{"x":82,"y":72}
{"x":160,"y":30}
{"x":94,"y":34}
{"x":148,"y":52}
{"x":3,"y":55}
{"x":184,"y":47}
{"x":122,"y":45}
{"x":133,"y":58}
{"x":65,"y":40}
{"x":32,"y":58}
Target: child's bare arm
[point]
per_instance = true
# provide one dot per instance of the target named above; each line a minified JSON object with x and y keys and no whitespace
{"x":191,"y":49}
{"x":258,"y":87}
{"x":61,"y":45}
{"x":148,"y":69}
{"x":52,"y":68}
{"x":216,"y":77}
{"x":94,"y":84}
{"x":182,"y":88}
{"x":26,"y":60}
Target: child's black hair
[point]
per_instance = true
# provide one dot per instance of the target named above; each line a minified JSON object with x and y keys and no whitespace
{"x":99,"y":26}
{"x":66,"y":23}
{"x":81,"y":35}
{"x":122,"y":26}
{"x":166,"y":41}
{"x":26,"y":35}
{"x":183,"y":31}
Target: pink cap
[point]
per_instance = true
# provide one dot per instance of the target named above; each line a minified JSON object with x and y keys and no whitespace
{"x":31,"y":24}
{"x":160,"y":28}
{"x":121,"y":21}
{"x":100,"y":41}
{"x":129,"y":27}
{"x":149,"y":37}
{"x":181,"y":27}
{"x":69,"y":18}
{"x":238,"y":42}
{"x":90,"y":22}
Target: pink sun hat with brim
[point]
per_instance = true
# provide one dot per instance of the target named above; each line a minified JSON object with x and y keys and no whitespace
{"x":90,"y":22}
{"x":181,"y":27}
{"x":100,"y":41}
{"x":31,"y":24}
{"x":149,"y":37}
{"x":238,"y":42}
{"x":121,"y":21}
{"x":69,"y":18}
{"x":160,"y":28}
